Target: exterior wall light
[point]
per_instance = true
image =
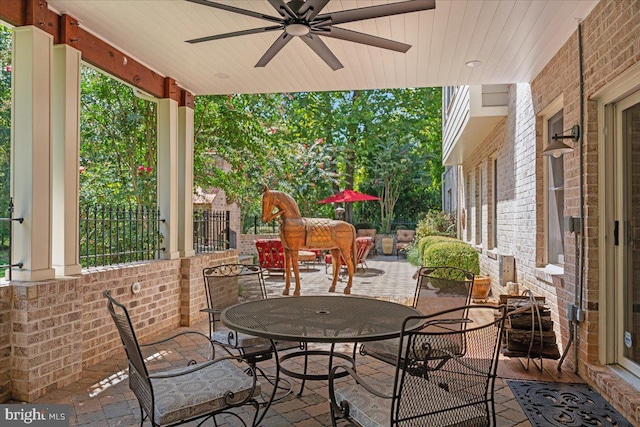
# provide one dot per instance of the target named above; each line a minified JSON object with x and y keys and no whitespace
{"x":557,"y":148}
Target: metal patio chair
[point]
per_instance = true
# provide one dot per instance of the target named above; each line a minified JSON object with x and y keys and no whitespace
{"x":433,"y":386}
{"x":363,"y":246}
{"x":180,"y":395}
{"x":249,"y":281}
{"x":437,"y":289}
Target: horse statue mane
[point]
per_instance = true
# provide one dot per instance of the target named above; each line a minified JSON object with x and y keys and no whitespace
{"x":298,"y":233}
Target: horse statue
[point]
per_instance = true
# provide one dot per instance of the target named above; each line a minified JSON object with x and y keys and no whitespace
{"x":302,"y":233}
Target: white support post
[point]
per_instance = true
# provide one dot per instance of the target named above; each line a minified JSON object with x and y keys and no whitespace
{"x":185,"y":181}
{"x":167,"y":175}
{"x":66,"y":147}
{"x":31,"y":153}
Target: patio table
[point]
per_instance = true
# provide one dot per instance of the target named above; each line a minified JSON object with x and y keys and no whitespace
{"x":319,"y":319}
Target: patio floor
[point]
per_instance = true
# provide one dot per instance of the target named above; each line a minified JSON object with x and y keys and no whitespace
{"x":102,"y":397}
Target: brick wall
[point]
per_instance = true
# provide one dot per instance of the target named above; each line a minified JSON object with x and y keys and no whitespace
{"x":156,"y":308}
{"x":246,"y":245}
{"x":192,"y":285}
{"x":55,"y":329}
{"x":610,"y":44}
{"x":5,"y":343}
{"x":46,"y":337}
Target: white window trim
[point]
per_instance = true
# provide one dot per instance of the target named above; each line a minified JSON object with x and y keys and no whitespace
{"x":492,"y":238}
{"x":549,"y":111}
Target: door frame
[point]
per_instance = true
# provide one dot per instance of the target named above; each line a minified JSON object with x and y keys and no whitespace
{"x":621,"y":194}
{"x":620,"y":88}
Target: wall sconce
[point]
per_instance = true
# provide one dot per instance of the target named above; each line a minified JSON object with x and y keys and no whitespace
{"x":557,"y":148}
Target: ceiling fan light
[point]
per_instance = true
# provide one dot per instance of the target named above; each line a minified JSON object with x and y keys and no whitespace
{"x":297,"y":30}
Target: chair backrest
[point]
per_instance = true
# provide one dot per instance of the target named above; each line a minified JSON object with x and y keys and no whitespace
{"x":138,"y":375}
{"x":367,"y":232}
{"x":442,"y":288}
{"x":270,"y":254}
{"x":405,"y":236}
{"x":363,"y":246}
{"x":219,"y":280}
{"x":440,"y":385}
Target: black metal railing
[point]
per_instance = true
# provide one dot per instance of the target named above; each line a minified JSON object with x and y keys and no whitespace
{"x":6,"y":237}
{"x":211,"y":231}
{"x":254,"y":225}
{"x":117,"y":234}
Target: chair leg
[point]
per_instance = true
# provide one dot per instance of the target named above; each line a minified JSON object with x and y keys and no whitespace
{"x":142,"y":417}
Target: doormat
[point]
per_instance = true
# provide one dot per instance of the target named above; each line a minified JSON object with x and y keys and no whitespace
{"x":565,"y":404}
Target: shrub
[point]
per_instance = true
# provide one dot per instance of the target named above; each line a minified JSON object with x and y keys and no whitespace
{"x":452,"y":254}
{"x":413,"y":254}
{"x":436,"y":224}
{"x":426,"y":242}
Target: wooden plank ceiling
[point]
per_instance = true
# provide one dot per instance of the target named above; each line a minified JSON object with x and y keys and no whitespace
{"x":514,"y":39}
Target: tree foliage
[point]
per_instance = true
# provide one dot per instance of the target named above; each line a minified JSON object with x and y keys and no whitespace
{"x":5,"y":133}
{"x":117,"y":143}
{"x":314,"y":144}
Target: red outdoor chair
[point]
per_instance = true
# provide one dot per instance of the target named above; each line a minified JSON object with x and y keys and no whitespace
{"x":363,"y":246}
{"x":270,"y":254}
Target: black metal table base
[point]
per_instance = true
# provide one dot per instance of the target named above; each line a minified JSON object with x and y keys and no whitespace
{"x":304,"y":375}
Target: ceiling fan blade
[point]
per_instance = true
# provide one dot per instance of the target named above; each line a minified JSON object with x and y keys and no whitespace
{"x":235,"y":34}
{"x":283,"y":9}
{"x":321,"y":49}
{"x":370,"y":12}
{"x":237,"y":10}
{"x":311,"y":8}
{"x":356,"y":37}
{"x":274,"y":49}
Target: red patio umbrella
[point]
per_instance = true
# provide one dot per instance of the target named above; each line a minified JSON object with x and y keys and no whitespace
{"x":348,"y":196}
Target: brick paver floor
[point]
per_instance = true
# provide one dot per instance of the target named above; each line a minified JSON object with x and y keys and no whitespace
{"x":102,"y":398}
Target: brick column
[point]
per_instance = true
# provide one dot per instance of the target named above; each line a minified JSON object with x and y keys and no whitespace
{"x":5,"y":343}
{"x":47,"y":337}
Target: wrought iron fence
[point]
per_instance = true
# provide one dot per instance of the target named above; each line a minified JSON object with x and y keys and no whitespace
{"x":118,"y":234}
{"x":6,"y":233}
{"x":211,"y":231}
{"x":254,"y":225}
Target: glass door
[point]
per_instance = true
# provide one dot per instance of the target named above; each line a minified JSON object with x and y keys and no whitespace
{"x":628,"y":239}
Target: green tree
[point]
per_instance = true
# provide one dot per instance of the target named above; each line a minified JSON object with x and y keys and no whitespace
{"x":5,"y":136}
{"x":353,"y":123}
{"x":118,"y":143}
{"x":235,"y":147}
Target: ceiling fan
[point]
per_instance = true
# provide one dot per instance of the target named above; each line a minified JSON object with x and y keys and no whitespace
{"x":302,"y":19}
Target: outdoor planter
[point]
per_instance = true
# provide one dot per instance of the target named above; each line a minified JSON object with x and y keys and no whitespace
{"x":481,"y":288}
{"x":387,"y":245}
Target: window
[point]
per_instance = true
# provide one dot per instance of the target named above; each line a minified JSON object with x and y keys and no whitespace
{"x":494,"y":203}
{"x":468,"y":199}
{"x":478,"y":200}
{"x":555,"y":197}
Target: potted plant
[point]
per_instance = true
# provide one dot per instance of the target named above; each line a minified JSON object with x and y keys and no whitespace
{"x":481,"y":288}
